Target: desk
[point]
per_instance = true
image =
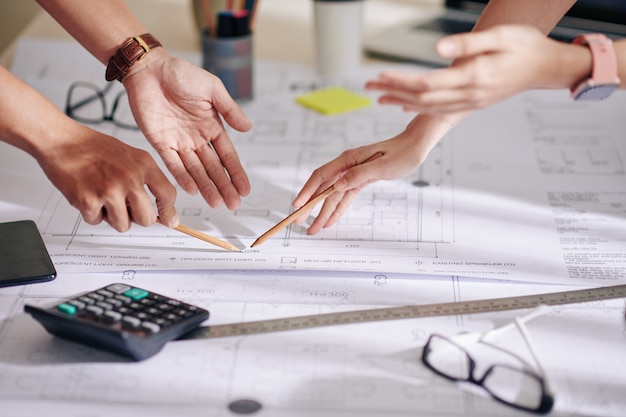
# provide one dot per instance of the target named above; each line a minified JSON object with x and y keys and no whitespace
{"x":275,"y":18}
{"x":347,"y":371}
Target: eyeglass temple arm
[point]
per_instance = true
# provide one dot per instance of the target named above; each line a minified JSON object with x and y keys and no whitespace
{"x":526,"y":336}
{"x":538,"y":311}
{"x":519,"y":322}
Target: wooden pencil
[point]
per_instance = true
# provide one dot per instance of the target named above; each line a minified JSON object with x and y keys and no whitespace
{"x":312,"y":203}
{"x":253,"y":10}
{"x":204,"y":237}
{"x":209,"y":17}
{"x":293,"y":216}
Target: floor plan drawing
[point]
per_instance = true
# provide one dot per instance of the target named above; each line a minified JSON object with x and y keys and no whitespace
{"x":454,"y":215}
{"x":343,"y":370}
{"x":513,"y":202}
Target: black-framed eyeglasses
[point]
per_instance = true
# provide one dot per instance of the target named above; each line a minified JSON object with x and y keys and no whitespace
{"x":508,"y":378}
{"x":86,"y":103}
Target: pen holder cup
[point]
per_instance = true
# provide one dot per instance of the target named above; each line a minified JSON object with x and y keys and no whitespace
{"x":230,"y":59}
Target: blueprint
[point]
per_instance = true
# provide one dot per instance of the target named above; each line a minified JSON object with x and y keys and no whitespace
{"x":531,"y":189}
{"x":343,"y":371}
{"x":519,"y":198}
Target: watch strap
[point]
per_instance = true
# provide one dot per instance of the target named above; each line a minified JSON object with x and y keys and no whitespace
{"x":130,"y":52}
{"x":604,"y":66}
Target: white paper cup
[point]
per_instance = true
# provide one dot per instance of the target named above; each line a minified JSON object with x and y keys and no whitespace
{"x":338,"y":36}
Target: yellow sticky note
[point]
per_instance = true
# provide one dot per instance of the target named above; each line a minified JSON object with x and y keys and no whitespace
{"x":333,"y":100}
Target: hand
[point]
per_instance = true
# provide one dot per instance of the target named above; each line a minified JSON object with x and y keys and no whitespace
{"x":104,"y":179}
{"x":400,"y":157}
{"x":489,"y":66}
{"x":177,"y":105}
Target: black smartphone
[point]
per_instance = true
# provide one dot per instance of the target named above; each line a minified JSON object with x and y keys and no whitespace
{"x":24,"y":258}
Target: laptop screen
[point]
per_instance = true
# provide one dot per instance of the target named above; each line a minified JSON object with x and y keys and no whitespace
{"x":611,"y":11}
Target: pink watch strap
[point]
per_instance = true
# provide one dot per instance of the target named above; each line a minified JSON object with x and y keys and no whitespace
{"x":604,"y":59}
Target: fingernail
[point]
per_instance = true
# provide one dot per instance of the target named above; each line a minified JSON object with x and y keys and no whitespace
{"x":446,"y":48}
{"x":170,"y":217}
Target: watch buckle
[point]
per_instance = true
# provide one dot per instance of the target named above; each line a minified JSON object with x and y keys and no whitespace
{"x":143,"y":45}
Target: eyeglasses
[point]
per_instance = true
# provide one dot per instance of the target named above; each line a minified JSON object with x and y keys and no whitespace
{"x":86,"y":103}
{"x":508,"y":378}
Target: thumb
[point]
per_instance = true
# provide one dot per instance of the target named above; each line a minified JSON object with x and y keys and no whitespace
{"x":230,"y":110}
{"x":168,"y":217}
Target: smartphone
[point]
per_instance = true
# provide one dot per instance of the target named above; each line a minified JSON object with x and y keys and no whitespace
{"x":24,"y":258}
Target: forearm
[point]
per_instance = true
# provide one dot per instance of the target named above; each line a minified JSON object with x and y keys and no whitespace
{"x":570,"y":66}
{"x":428,"y":129}
{"x":28,"y":120}
{"x":100,"y":26}
{"x":542,"y":14}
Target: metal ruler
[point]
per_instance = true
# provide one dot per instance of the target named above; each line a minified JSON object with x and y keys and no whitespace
{"x":407,"y":312}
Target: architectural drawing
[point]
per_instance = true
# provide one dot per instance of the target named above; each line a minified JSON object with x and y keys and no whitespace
{"x":455,"y":215}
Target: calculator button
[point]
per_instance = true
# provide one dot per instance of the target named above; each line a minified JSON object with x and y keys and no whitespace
{"x":86,"y":300}
{"x":78,"y":304}
{"x":171,"y":317}
{"x":104,"y":306}
{"x":123,"y":310}
{"x":123,"y":299}
{"x":164,"y":307}
{"x":66,"y":308}
{"x":151,"y":327}
{"x":136,"y":294}
{"x":112,"y":316}
{"x":105,"y":293}
{"x":95,"y":296}
{"x":114,"y":302}
{"x":131,"y":322}
{"x":96,"y":311}
{"x":156,"y":297}
{"x":118,"y":288}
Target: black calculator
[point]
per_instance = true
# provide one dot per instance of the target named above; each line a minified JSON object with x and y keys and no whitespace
{"x":126,"y":320}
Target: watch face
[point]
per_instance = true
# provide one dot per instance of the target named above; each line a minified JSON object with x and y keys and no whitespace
{"x":594,"y":92}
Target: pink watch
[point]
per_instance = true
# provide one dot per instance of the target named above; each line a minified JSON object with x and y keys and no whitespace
{"x":604,"y":79}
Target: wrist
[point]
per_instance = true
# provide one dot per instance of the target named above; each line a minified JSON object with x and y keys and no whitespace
{"x":577,"y":65}
{"x":149,"y":64}
{"x":129,"y":55}
{"x":426,"y":130}
{"x":573,"y":63}
{"x":50,"y":144}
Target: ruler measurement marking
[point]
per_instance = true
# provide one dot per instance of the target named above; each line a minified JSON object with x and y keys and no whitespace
{"x":408,"y":311}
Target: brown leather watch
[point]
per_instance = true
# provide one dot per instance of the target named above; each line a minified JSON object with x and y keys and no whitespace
{"x":132,"y":51}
